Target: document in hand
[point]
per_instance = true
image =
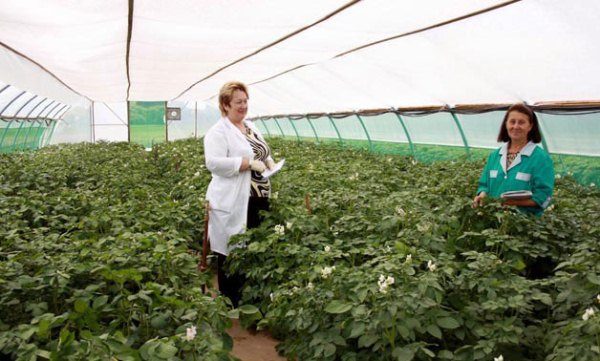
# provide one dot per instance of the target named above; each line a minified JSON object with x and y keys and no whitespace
{"x":269,"y":172}
{"x":516,"y":195}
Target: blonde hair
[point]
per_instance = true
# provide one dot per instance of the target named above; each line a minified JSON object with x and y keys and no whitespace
{"x":226,"y":94}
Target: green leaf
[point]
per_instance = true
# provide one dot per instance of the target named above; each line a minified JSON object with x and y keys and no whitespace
{"x":434,"y":331}
{"x":358,"y":329}
{"x":337,"y":307}
{"x":445,"y":354}
{"x":80,"y":305}
{"x":593,"y":278}
{"x":100,"y":301}
{"x":160,"y":321}
{"x":403,"y":331}
{"x":248,"y":309}
{"x":428,"y":352}
{"x":448,"y":323}
{"x":328,"y":350}
{"x":166,"y":350}
{"x":403,"y":354}
{"x":367,"y":340}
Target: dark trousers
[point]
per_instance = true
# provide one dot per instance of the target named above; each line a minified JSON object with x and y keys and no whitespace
{"x":230,"y":285}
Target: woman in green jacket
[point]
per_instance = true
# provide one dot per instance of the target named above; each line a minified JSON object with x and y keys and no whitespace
{"x":519,"y":165}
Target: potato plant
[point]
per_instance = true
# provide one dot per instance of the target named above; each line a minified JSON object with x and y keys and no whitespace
{"x":95,"y":258}
{"x":392,"y":263}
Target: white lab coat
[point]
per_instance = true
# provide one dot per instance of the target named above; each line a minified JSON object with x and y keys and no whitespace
{"x":229,"y":190}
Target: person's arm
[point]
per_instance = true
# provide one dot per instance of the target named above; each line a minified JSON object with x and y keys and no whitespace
{"x":216,"y":159}
{"x":482,"y":187}
{"x":543,"y":182}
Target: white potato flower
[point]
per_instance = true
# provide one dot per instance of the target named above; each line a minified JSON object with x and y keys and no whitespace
{"x":310,"y":286}
{"x":289,"y":225}
{"x":326,"y":271}
{"x":401,"y":212}
{"x":409,"y":258}
{"x":384,"y":283}
{"x":190,"y":333}
{"x":499,"y":358}
{"x":327,"y":249}
{"x":598,"y":298}
{"x":280,"y":229}
{"x":275,"y":195}
{"x":197,"y":174}
{"x":431,"y":266}
{"x":587,"y":314}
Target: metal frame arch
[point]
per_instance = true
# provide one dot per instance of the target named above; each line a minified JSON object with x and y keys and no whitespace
{"x":43,"y":109}
{"x":34,"y":108}
{"x":295,"y":130}
{"x":49,"y":111}
{"x":313,"y":128}
{"x":279,"y":126}
{"x":365,"y":129}
{"x":12,"y":101}
{"x":265,"y":126}
{"x":406,"y":132}
{"x":24,"y":105}
{"x":462,"y":133}
{"x":335,"y":127}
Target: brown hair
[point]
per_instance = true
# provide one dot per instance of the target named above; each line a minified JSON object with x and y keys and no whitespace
{"x":534,"y":134}
{"x":226,"y":94}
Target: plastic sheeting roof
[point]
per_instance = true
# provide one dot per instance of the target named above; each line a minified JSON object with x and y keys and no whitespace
{"x":293,"y":52}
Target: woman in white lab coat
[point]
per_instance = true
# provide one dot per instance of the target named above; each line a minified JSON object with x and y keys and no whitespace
{"x":236,"y":154}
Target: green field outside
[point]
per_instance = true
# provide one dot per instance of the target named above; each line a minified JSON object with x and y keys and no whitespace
{"x":147,"y":125}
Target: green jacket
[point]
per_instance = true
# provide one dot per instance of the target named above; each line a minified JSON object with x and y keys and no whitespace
{"x":531,"y":170}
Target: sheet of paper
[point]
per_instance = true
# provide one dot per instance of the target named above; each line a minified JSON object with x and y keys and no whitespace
{"x":269,"y":172}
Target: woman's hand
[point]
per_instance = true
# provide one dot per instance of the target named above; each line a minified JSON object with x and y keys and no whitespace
{"x":478,"y":200}
{"x":257,"y":165}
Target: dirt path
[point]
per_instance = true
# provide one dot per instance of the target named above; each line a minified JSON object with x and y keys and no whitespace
{"x":255,"y":346}
{"x":251,"y":346}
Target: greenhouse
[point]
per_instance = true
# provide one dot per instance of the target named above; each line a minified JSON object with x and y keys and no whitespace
{"x":374,"y":246}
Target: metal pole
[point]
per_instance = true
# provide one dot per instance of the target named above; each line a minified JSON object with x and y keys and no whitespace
{"x":166,"y":124}
{"x":279,"y":126}
{"x":196,"y":120}
{"x":366,"y":132}
{"x":93,"y":121}
{"x":54,"y":123}
{"x":12,"y":147}
{"x":264,"y":125}
{"x":295,"y":130}
{"x":313,"y":128}
{"x":38,"y":135}
{"x":410,"y":143}
{"x":462,"y":134}
{"x":128,"y":123}
{"x":336,"y":129}
{"x":24,"y":145}
{"x":4,"y":134}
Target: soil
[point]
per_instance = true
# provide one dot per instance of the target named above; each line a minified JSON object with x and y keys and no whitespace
{"x":251,"y":345}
